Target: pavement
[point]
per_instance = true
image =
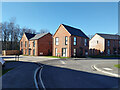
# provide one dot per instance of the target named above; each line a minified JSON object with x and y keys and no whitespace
{"x":108,"y":68}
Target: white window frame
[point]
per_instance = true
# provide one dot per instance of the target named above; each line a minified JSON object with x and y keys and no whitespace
{"x":66,"y":40}
{"x":56,"y":41}
{"x":55,"y":51}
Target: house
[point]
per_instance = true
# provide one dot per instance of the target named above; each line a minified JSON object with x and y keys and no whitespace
{"x":107,"y":44}
{"x":36,"y":44}
{"x":70,"y":42}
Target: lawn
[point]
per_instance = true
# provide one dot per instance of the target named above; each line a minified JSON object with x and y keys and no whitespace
{"x":117,"y":65}
{"x":56,"y":57}
{"x":5,"y":71}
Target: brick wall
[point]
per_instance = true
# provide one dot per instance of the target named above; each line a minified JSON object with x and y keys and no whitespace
{"x":23,"y":39}
{"x":80,"y":46}
{"x":61,"y":33}
{"x":45,"y":45}
{"x":10,"y":52}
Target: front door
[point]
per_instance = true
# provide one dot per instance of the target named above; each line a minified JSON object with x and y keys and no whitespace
{"x":64,"y":52}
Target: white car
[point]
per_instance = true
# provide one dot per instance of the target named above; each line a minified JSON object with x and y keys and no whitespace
{"x":2,"y":61}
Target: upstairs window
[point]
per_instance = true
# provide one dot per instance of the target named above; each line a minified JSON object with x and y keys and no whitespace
{"x":25,"y":43}
{"x":114,"y":43}
{"x":119,"y":43}
{"x":75,"y":39}
{"x":108,"y":43}
{"x":29,"y":43}
{"x":85,"y":42}
{"x":33,"y":43}
{"x":56,"y":41}
{"x":66,"y":40}
{"x":97,"y":41}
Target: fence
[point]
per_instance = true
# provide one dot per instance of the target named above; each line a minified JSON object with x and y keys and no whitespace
{"x":10,"y":52}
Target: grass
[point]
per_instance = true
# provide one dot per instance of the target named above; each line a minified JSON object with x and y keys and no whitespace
{"x":56,"y":57}
{"x":10,"y":61}
{"x":5,"y":71}
{"x":117,"y":65}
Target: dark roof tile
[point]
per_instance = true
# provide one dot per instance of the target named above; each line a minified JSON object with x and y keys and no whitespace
{"x":74,"y":31}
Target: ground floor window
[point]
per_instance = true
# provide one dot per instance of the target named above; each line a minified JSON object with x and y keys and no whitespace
{"x":64,"y":52}
{"x":108,"y":51}
{"x":29,"y":51}
{"x":74,"y":51}
{"x":33,"y":51}
{"x":55,"y":51}
{"x":22,"y":51}
{"x":25,"y":51}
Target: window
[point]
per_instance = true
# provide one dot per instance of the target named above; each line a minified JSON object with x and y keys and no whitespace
{"x":74,"y":41}
{"x":119,"y":43}
{"x":21,"y":44}
{"x":85,"y":42}
{"x":25,"y":51}
{"x":25,"y":43}
{"x":55,"y":51}
{"x":114,"y":43}
{"x":108,"y":43}
{"x":33,"y":51}
{"x":108,"y":52}
{"x":29,"y":43}
{"x":97,"y":41}
{"x":74,"y":52}
{"x":22,"y":51}
{"x":29,"y":51}
{"x":56,"y":41}
{"x":33,"y":43}
{"x":66,"y":40}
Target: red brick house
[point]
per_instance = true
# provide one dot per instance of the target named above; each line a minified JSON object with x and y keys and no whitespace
{"x":107,"y":44}
{"x":36,"y":44}
{"x":70,"y":42}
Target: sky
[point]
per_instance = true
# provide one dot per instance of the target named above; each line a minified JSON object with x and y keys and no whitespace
{"x":90,"y":17}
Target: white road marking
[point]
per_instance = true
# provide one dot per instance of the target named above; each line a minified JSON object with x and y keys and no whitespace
{"x":107,"y":69}
{"x":40,"y":75}
{"x":63,"y":62}
{"x":36,"y":85}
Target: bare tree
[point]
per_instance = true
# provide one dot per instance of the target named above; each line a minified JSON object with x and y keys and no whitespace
{"x":43,"y":31}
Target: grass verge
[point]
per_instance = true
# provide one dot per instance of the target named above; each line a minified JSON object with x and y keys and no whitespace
{"x":117,"y":65}
{"x":56,"y":57}
{"x":5,"y":71}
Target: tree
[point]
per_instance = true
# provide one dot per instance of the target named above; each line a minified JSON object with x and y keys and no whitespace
{"x":43,"y":31}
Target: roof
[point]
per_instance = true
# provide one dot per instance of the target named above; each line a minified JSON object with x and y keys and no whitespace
{"x":29,"y":35}
{"x":37,"y":36}
{"x":74,"y":31}
{"x":109,"y":36}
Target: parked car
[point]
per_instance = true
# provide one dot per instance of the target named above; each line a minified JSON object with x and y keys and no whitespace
{"x":2,"y":61}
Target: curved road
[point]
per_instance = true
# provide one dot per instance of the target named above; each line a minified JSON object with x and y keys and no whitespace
{"x":75,"y":74}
